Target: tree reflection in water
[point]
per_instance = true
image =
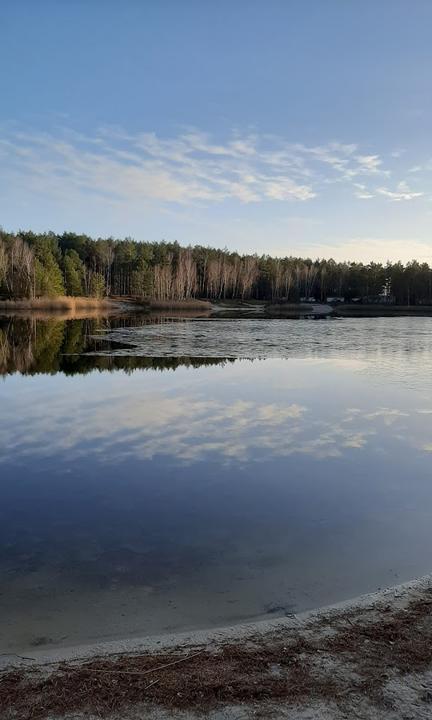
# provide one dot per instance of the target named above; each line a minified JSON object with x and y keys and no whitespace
{"x":32,"y":346}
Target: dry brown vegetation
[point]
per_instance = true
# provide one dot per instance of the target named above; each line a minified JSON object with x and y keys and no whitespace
{"x":62,"y":302}
{"x":332,"y":659}
{"x":64,"y":305}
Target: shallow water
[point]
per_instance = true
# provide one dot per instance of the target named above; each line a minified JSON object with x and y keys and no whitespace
{"x":167,"y":487}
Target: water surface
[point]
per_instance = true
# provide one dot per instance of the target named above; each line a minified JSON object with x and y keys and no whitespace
{"x":157,"y":481}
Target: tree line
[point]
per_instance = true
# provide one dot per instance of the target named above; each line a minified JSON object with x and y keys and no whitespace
{"x":35,"y":265}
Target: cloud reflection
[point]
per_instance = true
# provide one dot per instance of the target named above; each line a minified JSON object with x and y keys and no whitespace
{"x":235,"y":414}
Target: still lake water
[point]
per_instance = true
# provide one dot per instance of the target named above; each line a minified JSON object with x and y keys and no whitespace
{"x":162,"y":475}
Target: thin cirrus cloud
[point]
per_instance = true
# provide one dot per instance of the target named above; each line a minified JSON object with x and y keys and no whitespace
{"x":190,"y":168}
{"x":402,"y":192}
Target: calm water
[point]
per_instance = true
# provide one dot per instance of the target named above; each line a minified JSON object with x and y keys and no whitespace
{"x":154,"y":479}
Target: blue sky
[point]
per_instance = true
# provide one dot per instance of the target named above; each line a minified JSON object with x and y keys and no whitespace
{"x":286,"y":127}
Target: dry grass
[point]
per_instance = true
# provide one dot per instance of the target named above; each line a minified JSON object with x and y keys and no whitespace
{"x":62,"y":307}
{"x":332,"y":660}
{"x":62,"y":302}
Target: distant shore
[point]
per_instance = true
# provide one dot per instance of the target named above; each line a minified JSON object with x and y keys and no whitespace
{"x":82,"y":306}
{"x":365,"y":310}
{"x":372,"y":655}
{"x":346,"y":309}
{"x":67,"y":307}
{"x":268,"y":310}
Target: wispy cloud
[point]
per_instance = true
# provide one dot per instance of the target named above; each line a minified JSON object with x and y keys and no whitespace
{"x":146,"y":168}
{"x":402,"y":192}
{"x":361,"y":192}
{"x":190,"y":168}
{"x":370,"y":165}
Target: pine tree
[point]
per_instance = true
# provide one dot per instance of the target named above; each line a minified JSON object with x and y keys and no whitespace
{"x":73,"y":273}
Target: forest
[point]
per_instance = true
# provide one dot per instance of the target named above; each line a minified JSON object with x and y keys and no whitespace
{"x":49,"y":265}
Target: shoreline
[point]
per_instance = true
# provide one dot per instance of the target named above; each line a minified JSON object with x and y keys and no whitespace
{"x":67,"y":307}
{"x":367,"y":657}
{"x":239,"y":631}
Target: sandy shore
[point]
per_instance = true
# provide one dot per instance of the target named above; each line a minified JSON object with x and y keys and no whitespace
{"x":397,"y":594}
{"x":366,"y":658}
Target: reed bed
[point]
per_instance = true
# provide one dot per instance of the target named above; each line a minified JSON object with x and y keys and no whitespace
{"x":61,"y":308}
{"x":62,"y":302}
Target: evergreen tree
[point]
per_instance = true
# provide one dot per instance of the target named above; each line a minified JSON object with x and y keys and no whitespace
{"x":73,"y":273}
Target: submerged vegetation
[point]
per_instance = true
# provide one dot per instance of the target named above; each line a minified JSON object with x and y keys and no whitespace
{"x":49,"y":265}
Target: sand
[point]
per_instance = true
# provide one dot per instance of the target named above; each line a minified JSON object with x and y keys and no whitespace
{"x":367,"y":658}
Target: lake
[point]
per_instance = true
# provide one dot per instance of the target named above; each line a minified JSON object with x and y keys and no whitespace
{"x":162,"y":474}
